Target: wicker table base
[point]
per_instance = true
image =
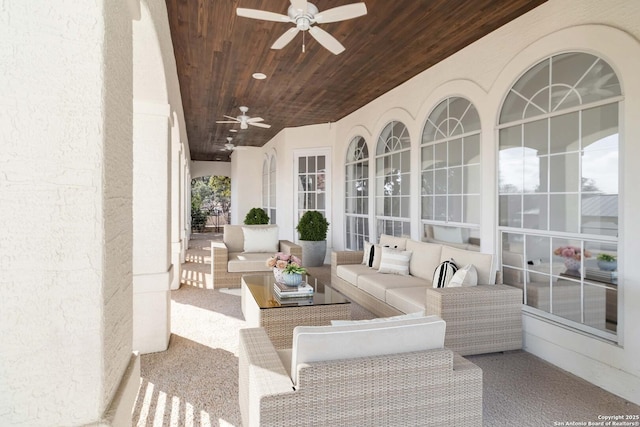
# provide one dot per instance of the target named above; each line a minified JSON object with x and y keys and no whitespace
{"x":279,"y":320}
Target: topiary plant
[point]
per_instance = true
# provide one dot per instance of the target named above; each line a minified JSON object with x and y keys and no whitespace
{"x":312,"y":226}
{"x":256,"y":216}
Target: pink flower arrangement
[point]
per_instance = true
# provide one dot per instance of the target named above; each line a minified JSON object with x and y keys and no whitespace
{"x":280,"y":260}
{"x":573,"y":252}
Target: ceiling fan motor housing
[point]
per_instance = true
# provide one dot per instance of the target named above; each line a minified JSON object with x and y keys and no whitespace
{"x":303,"y":19}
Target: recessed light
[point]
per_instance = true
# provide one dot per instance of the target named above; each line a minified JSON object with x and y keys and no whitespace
{"x":259,"y":76}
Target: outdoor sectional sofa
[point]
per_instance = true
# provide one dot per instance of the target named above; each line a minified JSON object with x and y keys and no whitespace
{"x":480,"y":319}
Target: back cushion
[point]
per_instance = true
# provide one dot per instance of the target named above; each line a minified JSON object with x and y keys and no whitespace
{"x":393,"y":242}
{"x":322,"y":343}
{"x":424,"y":259}
{"x":233,"y":238}
{"x":482,"y":262}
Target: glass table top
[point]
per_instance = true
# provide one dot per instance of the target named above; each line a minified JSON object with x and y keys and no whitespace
{"x":261,"y":288}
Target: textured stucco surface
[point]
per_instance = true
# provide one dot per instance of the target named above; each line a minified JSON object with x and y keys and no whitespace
{"x":65,"y":200}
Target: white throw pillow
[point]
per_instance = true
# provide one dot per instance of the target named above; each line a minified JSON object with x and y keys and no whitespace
{"x":443,"y":274}
{"x":369,"y":251}
{"x":465,"y":276}
{"x":261,"y":239}
{"x":395,"y":261}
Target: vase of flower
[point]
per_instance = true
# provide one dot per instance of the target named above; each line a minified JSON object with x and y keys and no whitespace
{"x":572,"y":264}
{"x":278,"y":275}
{"x":286,"y":265}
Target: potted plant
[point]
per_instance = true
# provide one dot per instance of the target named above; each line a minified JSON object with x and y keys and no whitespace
{"x":607,"y":262}
{"x":312,"y":228}
{"x":256,"y":216}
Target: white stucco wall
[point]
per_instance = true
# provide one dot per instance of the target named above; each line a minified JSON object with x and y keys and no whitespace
{"x":65,"y":207}
{"x":246,"y":173}
{"x":483,"y":72}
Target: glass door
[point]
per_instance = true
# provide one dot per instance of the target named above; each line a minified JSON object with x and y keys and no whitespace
{"x":313,"y":189}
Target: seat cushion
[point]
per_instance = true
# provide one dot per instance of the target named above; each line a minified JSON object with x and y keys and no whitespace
{"x":408,"y":300}
{"x":324,"y":343}
{"x":377,"y":284}
{"x":242,"y":262}
{"x":350,"y":272}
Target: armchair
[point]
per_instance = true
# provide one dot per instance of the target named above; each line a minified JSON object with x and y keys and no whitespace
{"x":428,"y":386}
{"x":234,"y":256}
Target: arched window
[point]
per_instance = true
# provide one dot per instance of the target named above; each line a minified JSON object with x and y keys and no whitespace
{"x":269,"y":188}
{"x":357,"y":194}
{"x":558,"y":190}
{"x":450,"y":173}
{"x":393,"y":186}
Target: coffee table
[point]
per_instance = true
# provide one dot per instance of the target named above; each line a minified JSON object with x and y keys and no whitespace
{"x":262,"y":308}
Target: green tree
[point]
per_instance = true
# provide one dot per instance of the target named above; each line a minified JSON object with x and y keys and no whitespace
{"x":221,"y":190}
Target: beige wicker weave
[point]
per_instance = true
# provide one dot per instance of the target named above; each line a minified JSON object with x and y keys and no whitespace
{"x":480,"y":319}
{"x":426,"y":388}
{"x":223,"y":278}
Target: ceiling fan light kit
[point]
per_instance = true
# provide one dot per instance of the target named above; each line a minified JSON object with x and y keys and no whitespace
{"x":304,"y":15}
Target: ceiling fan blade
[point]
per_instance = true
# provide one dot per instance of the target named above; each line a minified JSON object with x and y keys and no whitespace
{"x":284,"y":39}
{"x":260,"y":125}
{"x":326,"y":40}
{"x":262,"y":14}
{"x":299,"y":5}
{"x":255,"y":120}
{"x":341,"y":13}
{"x":227,"y":121}
{"x":230,"y":118}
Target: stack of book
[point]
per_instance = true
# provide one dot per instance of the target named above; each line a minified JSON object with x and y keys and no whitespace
{"x":304,"y":290}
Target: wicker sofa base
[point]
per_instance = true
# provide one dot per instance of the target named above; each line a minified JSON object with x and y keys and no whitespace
{"x":427,"y":388}
{"x":480,"y":319}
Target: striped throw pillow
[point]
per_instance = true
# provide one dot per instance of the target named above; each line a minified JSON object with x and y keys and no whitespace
{"x":443,"y":273}
{"x":395,"y":261}
{"x":369,"y":251}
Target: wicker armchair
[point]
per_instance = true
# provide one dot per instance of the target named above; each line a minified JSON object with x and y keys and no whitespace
{"x":229,"y":261}
{"x":428,"y":388}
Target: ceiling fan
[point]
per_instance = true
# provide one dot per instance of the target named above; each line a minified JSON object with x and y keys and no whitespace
{"x":304,"y":15}
{"x":245,"y":120}
{"x":229,"y":146}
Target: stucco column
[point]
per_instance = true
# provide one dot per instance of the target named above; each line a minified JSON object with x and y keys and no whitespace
{"x":65,"y":209}
{"x":176,"y":195}
{"x":152,"y":269}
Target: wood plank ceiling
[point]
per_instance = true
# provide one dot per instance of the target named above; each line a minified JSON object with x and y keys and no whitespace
{"x":217,"y":52}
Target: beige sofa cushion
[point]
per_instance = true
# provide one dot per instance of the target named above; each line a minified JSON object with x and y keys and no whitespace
{"x":393,"y":242}
{"x":407,"y":300}
{"x":242,"y":262}
{"x":424,"y":259}
{"x":377,"y":284}
{"x":323,"y":343}
{"x":350,"y":272}
{"x":482,"y":262}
